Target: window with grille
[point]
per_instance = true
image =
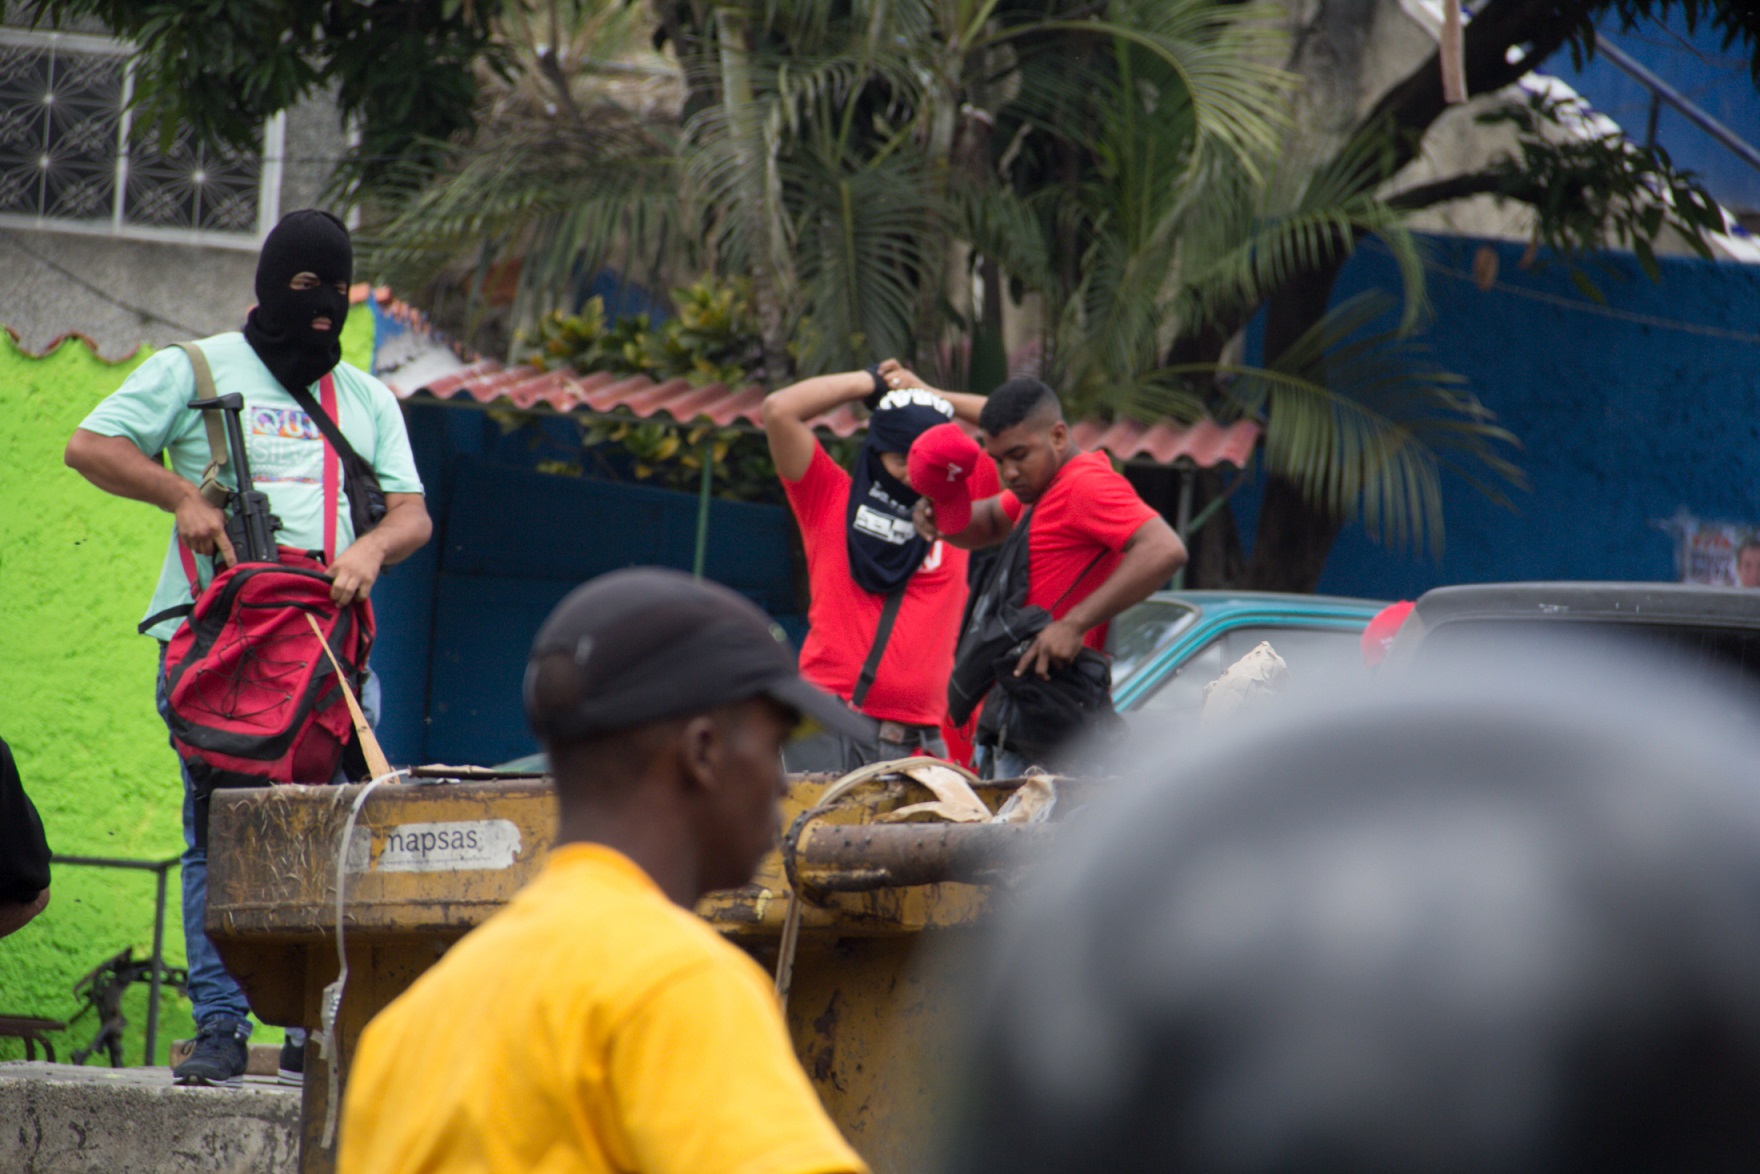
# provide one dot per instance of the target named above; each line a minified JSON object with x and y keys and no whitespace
{"x":67,"y":157}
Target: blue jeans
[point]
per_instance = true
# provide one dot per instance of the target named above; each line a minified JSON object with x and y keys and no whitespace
{"x":212,"y":991}
{"x":1002,"y":764}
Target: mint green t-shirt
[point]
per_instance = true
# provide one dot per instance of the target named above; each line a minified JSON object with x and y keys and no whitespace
{"x":286,"y":450}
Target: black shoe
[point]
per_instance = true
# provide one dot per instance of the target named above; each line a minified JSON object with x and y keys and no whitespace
{"x":220,"y":1056}
{"x":292,"y":1068}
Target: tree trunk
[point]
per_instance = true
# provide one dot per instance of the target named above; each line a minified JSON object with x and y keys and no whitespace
{"x":758,"y":195}
{"x":1293,"y":540}
{"x":1217,"y":559}
{"x":1294,"y":537}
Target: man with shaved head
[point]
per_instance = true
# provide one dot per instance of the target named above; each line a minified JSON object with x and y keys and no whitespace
{"x":1094,"y":547}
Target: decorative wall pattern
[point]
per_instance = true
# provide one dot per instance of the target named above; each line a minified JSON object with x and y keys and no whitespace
{"x":66,"y":151}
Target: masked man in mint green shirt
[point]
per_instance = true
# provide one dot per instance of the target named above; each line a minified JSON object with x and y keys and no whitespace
{"x":291,"y":339}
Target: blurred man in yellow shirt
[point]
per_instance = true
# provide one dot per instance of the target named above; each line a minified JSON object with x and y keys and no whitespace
{"x":596,"y":1024}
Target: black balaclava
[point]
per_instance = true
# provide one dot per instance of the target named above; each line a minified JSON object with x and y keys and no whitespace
{"x":884,"y":547}
{"x":280,"y":328}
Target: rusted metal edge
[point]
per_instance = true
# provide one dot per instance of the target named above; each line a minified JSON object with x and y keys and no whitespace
{"x":862,"y":857}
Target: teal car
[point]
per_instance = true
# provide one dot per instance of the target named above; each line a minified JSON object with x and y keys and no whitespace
{"x":1167,"y":648}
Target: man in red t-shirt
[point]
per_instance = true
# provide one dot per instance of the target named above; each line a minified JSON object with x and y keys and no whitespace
{"x":865,"y":559}
{"x":1095,"y":547}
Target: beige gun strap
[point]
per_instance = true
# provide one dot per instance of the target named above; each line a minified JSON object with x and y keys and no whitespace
{"x":213,"y":491}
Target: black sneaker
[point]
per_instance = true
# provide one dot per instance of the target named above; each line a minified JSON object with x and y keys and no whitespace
{"x":292,"y":1068}
{"x":221,"y":1054}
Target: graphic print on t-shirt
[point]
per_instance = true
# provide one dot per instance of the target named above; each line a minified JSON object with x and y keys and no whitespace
{"x":885,"y":527}
{"x":286,"y":447}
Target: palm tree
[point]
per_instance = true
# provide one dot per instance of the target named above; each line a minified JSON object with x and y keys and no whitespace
{"x":1124,"y":162}
{"x":818,"y":149}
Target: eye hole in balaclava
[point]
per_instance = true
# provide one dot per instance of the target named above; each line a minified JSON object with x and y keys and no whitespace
{"x":280,"y":328}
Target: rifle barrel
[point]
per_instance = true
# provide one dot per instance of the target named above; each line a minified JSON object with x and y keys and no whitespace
{"x":241,"y":458}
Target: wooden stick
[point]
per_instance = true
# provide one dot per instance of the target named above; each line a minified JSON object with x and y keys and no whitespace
{"x":376,"y":761}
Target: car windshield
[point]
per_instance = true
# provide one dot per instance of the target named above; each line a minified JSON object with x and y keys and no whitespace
{"x":1140,"y":632}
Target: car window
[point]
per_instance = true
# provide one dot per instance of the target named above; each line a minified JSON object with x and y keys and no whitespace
{"x":1181,"y":694}
{"x":1141,"y":632}
{"x":1309,"y":652}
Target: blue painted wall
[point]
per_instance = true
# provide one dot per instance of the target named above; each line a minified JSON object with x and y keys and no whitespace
{"x":510,"y":542}
{"x":1626,"y":412}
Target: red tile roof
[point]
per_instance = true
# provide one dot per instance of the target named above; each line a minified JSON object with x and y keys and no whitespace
{"x":1205,"y":444}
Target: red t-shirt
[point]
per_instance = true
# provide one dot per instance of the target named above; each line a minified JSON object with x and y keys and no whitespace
{"x":911,"y":683}
{"x":1087,"y":510}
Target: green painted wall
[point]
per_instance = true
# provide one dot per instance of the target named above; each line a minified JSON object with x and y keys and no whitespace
{"x":76,"y":693}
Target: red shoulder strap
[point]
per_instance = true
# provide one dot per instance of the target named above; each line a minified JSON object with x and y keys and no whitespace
{"x":190,"y":570}
{"x":332,"y":467}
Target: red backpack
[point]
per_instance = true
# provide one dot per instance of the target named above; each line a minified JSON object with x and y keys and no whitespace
{"x":252,"y":698}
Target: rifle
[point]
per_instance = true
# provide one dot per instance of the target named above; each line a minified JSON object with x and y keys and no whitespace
{"x":251,"y":527}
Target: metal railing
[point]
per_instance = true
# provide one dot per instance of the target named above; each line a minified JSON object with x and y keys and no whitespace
{"x":159,"y":868}
{"x":1662,"y":94}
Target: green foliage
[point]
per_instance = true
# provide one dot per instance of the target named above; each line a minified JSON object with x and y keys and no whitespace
{"x":1362,"y":421}
{"x":712,"y":338}
{"x":1593,"y":193}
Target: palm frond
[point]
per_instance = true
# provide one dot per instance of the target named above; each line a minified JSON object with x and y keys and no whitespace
{"x":1220,"y":53}
{"x":861,"y":228}
{"x":1365,"y":425}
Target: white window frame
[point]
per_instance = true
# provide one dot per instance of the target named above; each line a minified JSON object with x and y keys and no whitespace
{"x":268,"y":180}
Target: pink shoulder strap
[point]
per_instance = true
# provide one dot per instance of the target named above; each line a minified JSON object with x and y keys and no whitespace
{"x":332,"y":467}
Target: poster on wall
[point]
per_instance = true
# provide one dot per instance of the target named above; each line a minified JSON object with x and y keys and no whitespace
{"x":1709,"y":551}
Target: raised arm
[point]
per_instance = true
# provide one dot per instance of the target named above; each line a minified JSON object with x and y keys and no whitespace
{"x":786,"y":412}
{"x":1151,"y":556}
{"x":116,"y":466}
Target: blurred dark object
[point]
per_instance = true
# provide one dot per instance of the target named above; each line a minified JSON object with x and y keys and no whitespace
{"x":102,"y":990}
{"x":1501,"y":918}
{"x":24,"y":852}
{"x":1692,"y":627}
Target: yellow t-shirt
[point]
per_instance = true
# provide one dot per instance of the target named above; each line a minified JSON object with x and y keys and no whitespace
{"x":592,"y":1025}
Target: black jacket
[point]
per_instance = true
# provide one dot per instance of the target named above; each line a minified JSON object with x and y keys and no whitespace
{"x":24,"y":853}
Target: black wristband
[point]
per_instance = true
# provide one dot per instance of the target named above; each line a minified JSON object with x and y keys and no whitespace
{"x":873,"y":398}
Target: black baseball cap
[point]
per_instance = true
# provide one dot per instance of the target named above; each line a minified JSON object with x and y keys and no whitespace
{"x":650,"y":643}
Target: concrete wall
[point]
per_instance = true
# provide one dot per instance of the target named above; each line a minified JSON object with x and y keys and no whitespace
{"x":1626,"y":412}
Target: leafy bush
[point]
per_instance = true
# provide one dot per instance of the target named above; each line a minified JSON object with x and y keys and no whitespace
{"x":712,"y":338}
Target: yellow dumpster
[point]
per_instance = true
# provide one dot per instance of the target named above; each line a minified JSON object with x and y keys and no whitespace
{"x":430,"y":859}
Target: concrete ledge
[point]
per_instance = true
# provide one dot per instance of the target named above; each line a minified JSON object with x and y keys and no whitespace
{"x":64,"y":1119}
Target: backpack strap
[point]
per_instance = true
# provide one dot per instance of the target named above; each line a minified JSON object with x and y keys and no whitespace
{"x":215,"y":493}
{"x":178,"y":611}
{"x":1077,"y":581}
{"x":323,"y":413}
{"x":325,"y":419}
{"x":882,"y":634}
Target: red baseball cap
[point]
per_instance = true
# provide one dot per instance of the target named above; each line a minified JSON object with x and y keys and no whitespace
{"x":1382,"y":629}
{"x":940,"y":461}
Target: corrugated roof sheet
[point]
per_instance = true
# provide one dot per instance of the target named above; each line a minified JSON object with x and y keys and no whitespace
{"x":414,"y":359}
{"x":1206,"y":443}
